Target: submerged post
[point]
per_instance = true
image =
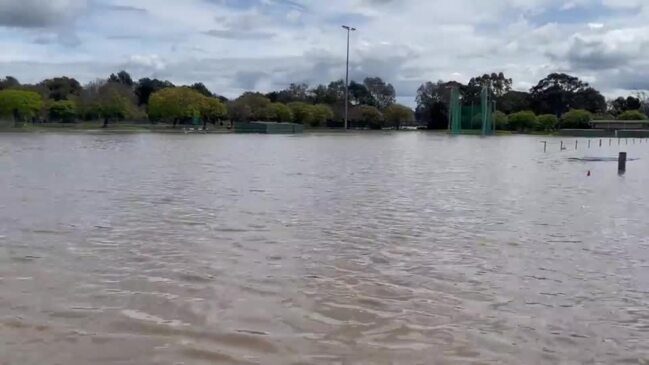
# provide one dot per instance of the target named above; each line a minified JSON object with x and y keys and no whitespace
{"x":562,"y":148}
{"x":576,"y":143}
{"x":600,"y":142}
{"x":545,"y":146}
{"x":621,"y":163}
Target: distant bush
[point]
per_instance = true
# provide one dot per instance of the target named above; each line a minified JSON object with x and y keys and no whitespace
{"x":372,"y":116}
{"x":603,"y":116}
{"x":522,"y":121}
{"x":63,"y":110}
{"x":632,"y":115}
{"x":548,"y":122}
{"x":576,"y":118}
{"x":500,"y":119}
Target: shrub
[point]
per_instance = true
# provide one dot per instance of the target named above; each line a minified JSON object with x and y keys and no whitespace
{"x":63,"y":110}
{"x":576,"y":118}
{"x":302,"y":112}
{"x":500,"y":119}
{"x":632,"y":115}
{"x":548,"y":122}
{"x":372,"y":116}
{"x":320,"y":114}
{"x":522,"y":121}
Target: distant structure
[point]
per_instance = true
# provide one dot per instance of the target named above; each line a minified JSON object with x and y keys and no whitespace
{"x":268,"y":128}
{"x":471,"y":118}
{"x":617,"y":125}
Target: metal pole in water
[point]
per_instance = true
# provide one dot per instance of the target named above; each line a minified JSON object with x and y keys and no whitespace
{"x":562,"y":146}
{"x":589,"y":143}
{"x":621,"y":163}
{"x":545,"y":146}
{"x":576,"y":143}
{"x":609,"y":141}
{"x":600,"y":142}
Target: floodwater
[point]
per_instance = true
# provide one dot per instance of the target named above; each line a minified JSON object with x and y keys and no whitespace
{"x":369,"y":248}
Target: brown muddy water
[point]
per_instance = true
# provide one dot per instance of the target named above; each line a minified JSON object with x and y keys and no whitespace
{"x":375,"y":248}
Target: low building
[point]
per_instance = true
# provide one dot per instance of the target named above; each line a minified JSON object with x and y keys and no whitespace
{"x":616,"y":125}
{"x":268,"y":128}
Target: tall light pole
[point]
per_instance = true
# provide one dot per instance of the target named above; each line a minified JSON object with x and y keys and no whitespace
{"x":349,"y":30}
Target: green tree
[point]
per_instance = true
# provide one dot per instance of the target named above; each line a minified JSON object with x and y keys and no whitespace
{"x":497,"y":83}
{"x":548,"y":122}
{"x":382,"y":93}
{"x":320,"y":114}
{"x":257,"y":103}
{"x":576,"y":118}
{"x":632,"y":115}
{"x":514,"y":101}
{"x":558,"y":92}
{"x":396,"y":115}
{"x":211,"y":110}
{"x":522,"y":121}
{"x":360,"y":95}
{"x":146,"y":86}
{"x":238,"y":111}
{"x":9,"y":82}
{"x":61,"y":88}
{"x":107,"y":101}
{"x":201,"y":88}
{"x":62,"y":110}
{"x":123,"y":78}
{"x":500,"y":119}
{"x":432,"y":103}
{"x":19,"y":104}
{"x":302,"y":112}
{"x":178,"y":105}
{"x":280,"y":113}
{"x":371,"y":116}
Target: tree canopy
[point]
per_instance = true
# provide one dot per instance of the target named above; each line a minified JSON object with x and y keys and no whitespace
{"x":396,"y":115}
{"x":20,"y":104}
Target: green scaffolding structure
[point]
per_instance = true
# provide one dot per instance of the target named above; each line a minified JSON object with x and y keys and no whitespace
{"x":466,"y":118}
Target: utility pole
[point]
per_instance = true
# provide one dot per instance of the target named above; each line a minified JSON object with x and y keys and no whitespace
{"x":349,"y":30}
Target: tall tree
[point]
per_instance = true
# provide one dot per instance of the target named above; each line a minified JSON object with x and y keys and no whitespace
{"x":514,"y":101}
{"x":122,"y":77}
{"x":146,"y":86}
{"x":201,"y":88}
{"x":61,"y":88}
{"x":9,"y":82}
{"x":396,"y":115}
{"x":360,"y":95}
{"x":382,"y":92}
{"x":432,"y":103}
{"x":555,"y":94}
{"x":19,"y":104}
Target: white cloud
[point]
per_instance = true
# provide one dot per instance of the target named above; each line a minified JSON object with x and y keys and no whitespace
{"x":272,"y":43}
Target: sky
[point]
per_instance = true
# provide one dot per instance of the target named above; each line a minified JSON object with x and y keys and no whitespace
{"x":234,"y":46}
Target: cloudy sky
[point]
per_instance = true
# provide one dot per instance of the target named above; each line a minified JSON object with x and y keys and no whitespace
{"x":238,"y":45}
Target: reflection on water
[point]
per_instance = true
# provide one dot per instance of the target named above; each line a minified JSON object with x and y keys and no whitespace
{"x":409,"y":248}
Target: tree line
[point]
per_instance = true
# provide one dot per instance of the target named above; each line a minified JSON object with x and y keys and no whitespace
{"x":119,"y":97}
{"x":557,"y":101}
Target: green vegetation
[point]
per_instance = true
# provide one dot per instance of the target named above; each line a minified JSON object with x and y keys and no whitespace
{"x":501,"y":120}
{"x":560,"y":100}
{"x":548,"y":122}
{"x":320,"y":114}
{"x":576,"y":118}
{"x":522,"y":121}
{"x":19,"y":104}
{"x":371,"y":116}
{"x":396,"y":115}
{"x":632,"y":115}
